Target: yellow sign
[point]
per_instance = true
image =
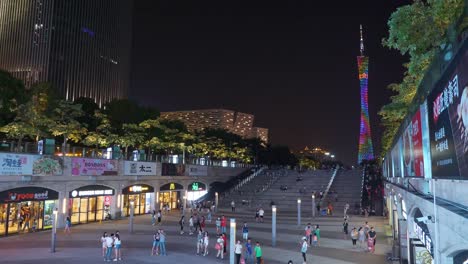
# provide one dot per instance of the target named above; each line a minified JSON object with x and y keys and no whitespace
{"x":172,"y":186}
{"x":138,"y":188}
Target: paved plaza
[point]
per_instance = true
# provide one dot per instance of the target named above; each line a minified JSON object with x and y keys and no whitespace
{"x":84,"y":246}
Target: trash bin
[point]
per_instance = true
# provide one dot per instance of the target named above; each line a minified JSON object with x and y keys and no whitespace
{"x":323,"y":212}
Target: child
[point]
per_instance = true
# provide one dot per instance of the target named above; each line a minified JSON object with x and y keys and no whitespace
{"x":314,"y":239}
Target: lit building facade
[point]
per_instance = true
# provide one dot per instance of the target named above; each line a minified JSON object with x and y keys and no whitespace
{"x":81,"y":47}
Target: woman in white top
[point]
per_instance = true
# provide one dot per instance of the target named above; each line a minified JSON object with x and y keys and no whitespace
{"x":304,"y":249}
{"x":103,"y":242}
{"x":117,"y":244}
{"x":219,"y":247}
{"x":238,"y":251}
{"x":206,"y":241}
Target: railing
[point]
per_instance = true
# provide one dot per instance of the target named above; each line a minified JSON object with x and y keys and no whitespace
{"x":248,"y":179}
{"x":329,"y":185}
{"x":362,"y":186}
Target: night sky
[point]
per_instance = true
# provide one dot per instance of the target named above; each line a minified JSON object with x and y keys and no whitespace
{"x":290,"y":63}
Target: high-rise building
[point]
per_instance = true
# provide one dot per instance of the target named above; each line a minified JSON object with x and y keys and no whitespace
{"x":81,"y":47}
{"x":366,"y":151}
{"x":235,"y":122}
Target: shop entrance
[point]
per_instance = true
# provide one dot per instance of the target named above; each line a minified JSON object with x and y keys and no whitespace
{"x":170,"y":195}
{"x":196,"y":190}
{"x":143,"y":197}
{"x":26,"y":209}
{"x":90,"y":203}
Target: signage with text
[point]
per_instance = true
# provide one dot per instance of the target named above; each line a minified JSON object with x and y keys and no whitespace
{"x":139,"y":168}
{"x":91,"y":190}
{"x":169,"y":169}
{"x":197,"y":186}
{"x":197,"y":170}
{"x":171,"y":187}
{"x":28,"y":194}
{"x":94,"y":167}
{"x":138,"y":188}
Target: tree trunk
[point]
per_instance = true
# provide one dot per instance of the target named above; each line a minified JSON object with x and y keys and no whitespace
{"x":126,"y":153}
{"x":65,"y":139}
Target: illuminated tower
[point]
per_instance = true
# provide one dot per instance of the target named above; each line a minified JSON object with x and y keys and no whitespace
{"x":366,"y":151}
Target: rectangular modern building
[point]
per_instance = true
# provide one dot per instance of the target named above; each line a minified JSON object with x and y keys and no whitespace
{"x":81,"y":47}
{"x":235,"y":122}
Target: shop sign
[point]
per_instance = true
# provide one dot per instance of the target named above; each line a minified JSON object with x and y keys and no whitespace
{"x":94,"y":167}
{"x":107,"y":200}
{"x":16,"y":164}
{"x":28,"y":194}
{"x":423,"y":236}
{"x":91,"y":190}
{"x":139,"y":168}
{"x":197,"y":170}
{"x":171,"y":187}
{"x":169,"y":169}
{"x":142,"y":188}
{"x":197,"y":186}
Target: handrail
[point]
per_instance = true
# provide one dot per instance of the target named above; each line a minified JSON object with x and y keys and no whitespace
{"x":244,"y":181}
{"x":362,"y":184}
{"x":329,"y":185}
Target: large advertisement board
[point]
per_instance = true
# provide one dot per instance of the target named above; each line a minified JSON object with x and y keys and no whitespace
{"x":139,"y":168}
{"x":94,"y":167}
{"x":28,"y":164}
{"x":197,"y":170}
{"x":448,"y":121}
{"x":169,"y":169}
{"x":413,"y":160}
{"x":397,"y":160}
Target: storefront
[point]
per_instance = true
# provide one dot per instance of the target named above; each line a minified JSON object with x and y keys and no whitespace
{"x":196,"y":190}
{"x":170,"y":195}
{"x":421,"y":247}
{"x":90,"y":203}
{"x":26,"y":209}
{"x":143,"y":197}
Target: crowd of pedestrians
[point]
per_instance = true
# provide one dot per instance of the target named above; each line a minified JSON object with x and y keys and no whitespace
{"x":111,"y":245}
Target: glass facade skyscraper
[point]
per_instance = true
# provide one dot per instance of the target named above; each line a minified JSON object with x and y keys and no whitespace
{"x":81,"y":47}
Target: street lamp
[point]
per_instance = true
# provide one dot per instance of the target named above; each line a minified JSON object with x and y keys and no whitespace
{"x":54,"y":230}
{"x":313,"y":205}
{"x":216,"y":201}
{"x":298,"y":211}
{"x":273,"y":225}
{"x":232,"y":238}
{"x":132,"y":211}
{"x":185,"y":202}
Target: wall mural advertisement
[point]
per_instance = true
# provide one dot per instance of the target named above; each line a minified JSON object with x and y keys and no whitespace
{"x":413,"y":160}
{"x":448,"y":122}
{"x":94,"y":167}
{"x":397,"y":166}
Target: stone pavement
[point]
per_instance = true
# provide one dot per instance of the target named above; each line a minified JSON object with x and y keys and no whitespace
{"x":83,"y":245}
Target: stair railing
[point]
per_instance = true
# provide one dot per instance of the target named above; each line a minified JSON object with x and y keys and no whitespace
{"x":329,"y":185}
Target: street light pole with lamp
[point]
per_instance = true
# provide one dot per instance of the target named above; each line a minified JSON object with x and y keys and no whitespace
{"x":273,"y":225}
{"x":232,"y":238}
{"x":313,"y":205}
{"x":298,"y":211}
{"x":54,"y":230}
{"x":216,"y":201}
{"x":132,"y":211}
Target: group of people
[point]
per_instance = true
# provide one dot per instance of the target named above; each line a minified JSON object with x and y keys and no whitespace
{"x":111,"y":243}
{"x":366,"y":235}
{"x":312,"y":234}
{"x":159,"y":243}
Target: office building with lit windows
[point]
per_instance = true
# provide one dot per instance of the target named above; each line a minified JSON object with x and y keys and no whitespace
{"x":81,"y":47}
{"x":235,"y":122}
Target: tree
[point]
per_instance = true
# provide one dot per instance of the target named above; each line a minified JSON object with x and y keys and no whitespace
{"x":13,"y":94}
{"x":64,"y":123}
{"x":133,"y":135}
{"x":89,"y":107}
{"x":124,"y":111}
{"x":102,"y":136}
{"x":410,"y":34}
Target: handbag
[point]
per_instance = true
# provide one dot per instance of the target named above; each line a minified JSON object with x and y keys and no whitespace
{"x":242,"y":261}
{"x":217,"y":246}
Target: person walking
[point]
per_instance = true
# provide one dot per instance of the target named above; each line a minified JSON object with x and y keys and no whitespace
{"x":202,"y":223}
{"x":354,"y":236}
{"x":248,"y":252}
{"x":238,"y":251}
{"x":219,"y":247}
{"x":257,"y":215}
{"x":199,"y":242}
{"x":191,"y":225}
{"x":304,"y":247}
{"x":346,"y":208}
{"x":225,"y":242}
{"x":109,"y":245}
{"x":182,"y":223}
{"x":155,"y":248}
{"x":67,"y":226}
{"x":117,"y":245}
{"x":245,"y":231}
{"x":258,"y":253}
{"x":308,"y":233}
{"x":208,"y":216}
{"x":153,"y":217}
{"x":104,"y":245}
{"x":206,"y":242}
{"x":233,"y":206}
{"x":372,"y":239}
{"x":159,"y":217}
{"x":317,"y":233}
{"x":345,"y":228}
{"x":223,"y":224}
{"x":162,"y":243}
{"x":362,"y":236}
{"x":218,"y":225}
{"x":261,"y":213}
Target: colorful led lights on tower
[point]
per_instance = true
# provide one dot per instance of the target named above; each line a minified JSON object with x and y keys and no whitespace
{"x":366,"y":151}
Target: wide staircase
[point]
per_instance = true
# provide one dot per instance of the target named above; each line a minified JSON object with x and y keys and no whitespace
{"x":346,"y":188}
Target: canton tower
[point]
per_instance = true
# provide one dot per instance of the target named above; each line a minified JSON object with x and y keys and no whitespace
{"x":366,"y":151}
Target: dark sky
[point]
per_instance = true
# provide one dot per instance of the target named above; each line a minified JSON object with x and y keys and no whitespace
{"x":290,"y":63}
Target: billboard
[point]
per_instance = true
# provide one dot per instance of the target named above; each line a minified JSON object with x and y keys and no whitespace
{"x":397,"y":162}
{"x":448,"y":121}
{"x":413,"y":161}
{"x":169,"y":169}
{"x":197,"y":170}
{"x":139,"y":168}
{"x":94,"y":167}
{"x":28,"y":164}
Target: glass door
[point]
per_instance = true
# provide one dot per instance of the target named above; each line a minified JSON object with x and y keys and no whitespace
{"x":83,"y":210}
{"x":3,"y":218}
{"x":100,"y":208}
{"x":13,"y":218}
{"x":91,"y":209}
{"x":75,"y":211}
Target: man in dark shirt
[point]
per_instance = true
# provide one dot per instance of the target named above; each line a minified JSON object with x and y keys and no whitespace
{"x":373,"y":234}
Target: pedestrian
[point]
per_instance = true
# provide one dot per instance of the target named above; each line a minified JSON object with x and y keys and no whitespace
{"x":245,"y":231}
{"x":199,"y":242}
{"x":223,"y":224}
{"x":366,"y":228}
{"x":354,"y":236}
{"x":372,"y":239}
{"x":162,"y":243}
{"x":219,"y":247}
{"x":346,"y":208}
{"x":225,"y":242}
{"x":258,"y":253}
{"x":261,"y":212}
{"x":191,"y":225}
{"x":153,"y":217}
{"x":208,"y":217}
{"x":182,"y":223}
{"x":257,"y":215}
{"x":248,"y":252}
{"x":67,"y":226}
{"x":345,"y":228}
{"x":238,"y":251}
{"x":104,"y":245}
{"x":117,"y":245}
{"x":159,"y":217}
{"x":202,"y":223}
{"x":318,"y":209}
{"x":362,"y":236}
{"x":206,"y":242}
{"x":218,"y":225}
{"x":109,"y":245}
{"x":304,"y":247}
{"x":330,"y":209}
{"x":308,"y":233}
{"x":317,"y":233}
{"x":233,"y":206}
{"x":314,"y":239}
{"x":155,"y":248}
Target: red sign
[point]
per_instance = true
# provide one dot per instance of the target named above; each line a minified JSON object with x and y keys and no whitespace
{"x":417,"y":145}
{"x":107,"y":200}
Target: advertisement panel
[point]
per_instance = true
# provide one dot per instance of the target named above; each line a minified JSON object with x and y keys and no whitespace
{"x":47,"y":166}
{"x":139,"y":168}
{"x":16,"y":164}
{"x":169,"y":169}
{"x":397,"y":160}
{"x":448,"y":121}
{"x":426,"y":143}
{"x":94,"y":167}
{"x":197,"y":170}
{"x":413,"y":161}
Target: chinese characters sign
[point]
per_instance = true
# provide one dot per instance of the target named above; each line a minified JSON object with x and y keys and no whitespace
{"x":94,"y":167}
{"x":197,"y":170}
{"x":412,"y":148}
{"x":16,"y":164}
{"x":139,"y":168}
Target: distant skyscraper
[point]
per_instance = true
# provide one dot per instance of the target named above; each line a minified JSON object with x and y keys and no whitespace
{"x":82,"y":47}
{"x":366,"y":151}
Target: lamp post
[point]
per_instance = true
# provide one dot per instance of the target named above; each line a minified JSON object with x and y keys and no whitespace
{"x":184,"y":205}
{"x":273,"y":225}
{"x":232,"y":238}
{"x":54,"y":230}
{"x":216,"y":201}
{"x":298,"y":211}
{"x":132,"y":211}
{"x":313,"y":205}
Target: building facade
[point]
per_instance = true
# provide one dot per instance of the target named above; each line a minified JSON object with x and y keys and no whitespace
{"x":81,"y":47}
{"x":236,"y":122}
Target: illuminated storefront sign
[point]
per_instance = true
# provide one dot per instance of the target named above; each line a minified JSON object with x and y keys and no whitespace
{"x":197,"y":187}
{"x":171,"y":187}
{"x":28,"y":194}
{"x":140,"y":188}
{"x":91,"y":190}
